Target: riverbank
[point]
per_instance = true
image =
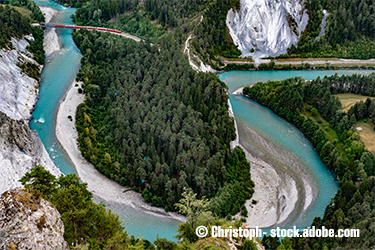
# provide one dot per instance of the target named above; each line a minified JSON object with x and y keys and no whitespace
{"x":267,"y":190}
{"x":283,"y":189}
{"x":97,"y":183}
{"x":51,"y":41}
{"x":238,"y":91}
{"x":279,"y":194}
{"x":47,"y":12}
{"x":21,"y":148}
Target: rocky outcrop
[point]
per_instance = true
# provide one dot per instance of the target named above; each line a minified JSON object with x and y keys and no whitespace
{"x":29,"y":222}
{"x":19,"y":92}
{"x":194,"y":61}
{"x":267,"y":26}
{"x":20,"y":150}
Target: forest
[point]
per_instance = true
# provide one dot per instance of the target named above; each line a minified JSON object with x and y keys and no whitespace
{"x":88,"y":225}
{"x":349,"y":31}
{"x":152,"y":123}
{"x":307,"y":105}
{"x":13,"y":24}
{"x":212,"y":35}
{"x":153,"y":18}
{"x":36,"y":13}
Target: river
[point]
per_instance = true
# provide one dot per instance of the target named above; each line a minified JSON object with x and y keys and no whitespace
{"x":62,"y":69}
{"x":251,"y":115}
{"x":55,"y":80}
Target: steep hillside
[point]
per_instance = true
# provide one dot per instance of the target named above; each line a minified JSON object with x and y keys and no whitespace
{"x":349,"y":30}
{"x":233,"y":28}
{"x":19,"y":91}
{"x":21,"y":148}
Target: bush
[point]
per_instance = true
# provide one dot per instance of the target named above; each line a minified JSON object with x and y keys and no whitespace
{"x":244,"y":211}
{"x":163,"y":243}
{"x":314,"y":112}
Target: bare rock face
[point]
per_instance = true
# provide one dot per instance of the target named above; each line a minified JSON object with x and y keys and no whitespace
{"x":20,"y":150}
{"x":29,"y":222}
{"x":267,"y":26}
{"x":19,"y":92}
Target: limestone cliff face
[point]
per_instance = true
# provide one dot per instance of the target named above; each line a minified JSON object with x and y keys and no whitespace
{"x":267,"y":26}
{"x":19,"y":92}
{"x":20,"y":150}
{"x":29,"y":222}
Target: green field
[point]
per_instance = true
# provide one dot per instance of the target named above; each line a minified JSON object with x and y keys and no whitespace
{"x":367,"y":135}
{"x":348,"y":100}
{"x":324,"y":125}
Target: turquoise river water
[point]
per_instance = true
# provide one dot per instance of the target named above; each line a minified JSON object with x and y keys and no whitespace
{"x":284,"y":134}
{"x":62,"y":69}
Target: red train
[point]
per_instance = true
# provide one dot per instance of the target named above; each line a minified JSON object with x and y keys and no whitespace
{"x":88,"y":28}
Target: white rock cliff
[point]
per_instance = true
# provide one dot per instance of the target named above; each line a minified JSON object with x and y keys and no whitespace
{"x":19,"y":92}
{"x":20,"y":148}
{"x":267,"y":26}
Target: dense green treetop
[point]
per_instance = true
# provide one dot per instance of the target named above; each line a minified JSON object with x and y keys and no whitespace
{"x":36,"y":13}
{"x":90,"y":226}
{"x":153,"y":18}
{"x":152,"y":123}
{"x":12,"y":24}
{"x":349,"y":31}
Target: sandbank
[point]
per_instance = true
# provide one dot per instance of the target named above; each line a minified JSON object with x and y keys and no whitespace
{"x":50,"y":41}
{"x":278,"y":191}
